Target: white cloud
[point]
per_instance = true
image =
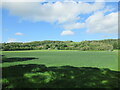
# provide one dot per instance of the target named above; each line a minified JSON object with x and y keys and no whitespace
{"x":18,"y":33}
{"x":60,"y":12}
{"x":23,"y":0}
{"x":100,"y":23}
{"x":60,"y":0}
{"x":11,"y":40}
{"x":0,"y":4}
{"x":74,"y":26}
{"x":67,"y":13}
{"x":67,"y":32}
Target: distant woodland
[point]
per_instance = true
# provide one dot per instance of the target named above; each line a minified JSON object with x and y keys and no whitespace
{"x":95,"y":45}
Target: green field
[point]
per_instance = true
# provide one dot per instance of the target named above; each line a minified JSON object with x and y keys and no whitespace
{"x":60,"y":69}
{"x":101,"y":59}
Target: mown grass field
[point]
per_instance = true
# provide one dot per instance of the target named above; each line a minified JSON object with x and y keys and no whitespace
{"x":100,"y":59}
{"x":60,"y":69}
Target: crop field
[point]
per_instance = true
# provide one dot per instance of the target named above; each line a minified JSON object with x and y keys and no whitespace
{"x":42,"y":68}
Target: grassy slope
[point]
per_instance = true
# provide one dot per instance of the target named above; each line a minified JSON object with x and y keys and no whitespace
{"x":101,"y":59}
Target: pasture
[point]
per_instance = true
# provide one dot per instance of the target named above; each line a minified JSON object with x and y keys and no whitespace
{"x":100,"y":59}
{"x":60,"y":69}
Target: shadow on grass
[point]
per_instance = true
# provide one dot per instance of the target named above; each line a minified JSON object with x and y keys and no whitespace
{"x":40,"y":76}
{"x":15,"y":59}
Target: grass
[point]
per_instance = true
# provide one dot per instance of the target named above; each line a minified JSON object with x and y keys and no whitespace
{"x":100,"y":59}
{"x":40,"y":76}
{"x":60,"y":69}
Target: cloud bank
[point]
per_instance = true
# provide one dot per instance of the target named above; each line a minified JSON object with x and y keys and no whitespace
{"x":67,"y":14}
{"x":100,"y":23}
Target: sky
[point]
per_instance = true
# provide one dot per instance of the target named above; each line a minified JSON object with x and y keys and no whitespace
{"x":61,"y":20}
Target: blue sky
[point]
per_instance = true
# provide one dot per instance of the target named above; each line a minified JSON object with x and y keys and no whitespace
{"x":23,"y":22}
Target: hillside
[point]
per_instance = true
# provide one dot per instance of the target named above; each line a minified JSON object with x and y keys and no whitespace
{"x":107,"y":44}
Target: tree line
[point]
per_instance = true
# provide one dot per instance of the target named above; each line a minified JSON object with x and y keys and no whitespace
{"x":108,"y":44}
